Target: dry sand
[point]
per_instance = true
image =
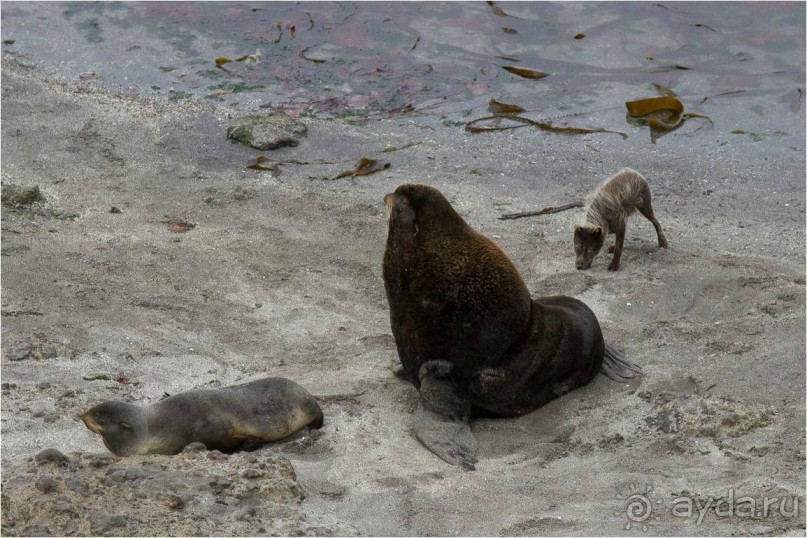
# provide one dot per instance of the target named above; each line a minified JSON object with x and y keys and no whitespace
{"x":282,"y":276}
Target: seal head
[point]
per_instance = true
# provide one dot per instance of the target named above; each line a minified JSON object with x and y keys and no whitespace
{"x":120,"y":424}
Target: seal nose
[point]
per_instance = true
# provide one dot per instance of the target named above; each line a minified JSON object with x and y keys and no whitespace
{"x":91,"y":424}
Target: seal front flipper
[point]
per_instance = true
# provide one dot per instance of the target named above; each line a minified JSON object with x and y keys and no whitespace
{"x":443,"y":414}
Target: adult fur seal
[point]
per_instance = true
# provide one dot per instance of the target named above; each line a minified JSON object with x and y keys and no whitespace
{"x":223,"y":419}
{"x":469,"y":336}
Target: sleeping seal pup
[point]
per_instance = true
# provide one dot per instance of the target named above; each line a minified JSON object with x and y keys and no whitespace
{"x":223,"y":419}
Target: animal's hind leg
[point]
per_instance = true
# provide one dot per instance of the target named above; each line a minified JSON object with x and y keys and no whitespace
{"x":443,"y":414}
{"x":646,"y":209}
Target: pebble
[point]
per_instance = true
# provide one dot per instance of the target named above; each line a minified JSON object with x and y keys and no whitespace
{"x":215,"y":455}
{"x":129,"y":474}
{"x":51,"y":455}
{"x":46,"y":484}
{"x":252,"y":473}
{"x":79,"y":486}
{"x":19,"y":352}
{"x":98,"y":460}
{"x":49,"y":351}
{"x":196,"y":446}
{"x":219,"y":483}
{"x":173,"y":501}
{"x":104,"y":525}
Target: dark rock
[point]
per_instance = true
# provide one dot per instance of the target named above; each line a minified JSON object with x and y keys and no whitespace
{"x":114,"y":209}
{"x":266,"y":132}
{"x":666,"y":421}
{"x":708,"y":430}
{"x":42,"y":386}
{"x":51,"y":455}
{"x":16,"y":196}
{"x":47,"y":484}
{"x":96,"y":377}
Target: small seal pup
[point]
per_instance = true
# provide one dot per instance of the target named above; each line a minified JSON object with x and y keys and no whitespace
{"x":469,"y":336}
{"x":607,"y":212}
{"x":223,"y":419}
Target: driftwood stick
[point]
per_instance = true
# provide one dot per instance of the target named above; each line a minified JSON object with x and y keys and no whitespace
{"x":544,"y":211}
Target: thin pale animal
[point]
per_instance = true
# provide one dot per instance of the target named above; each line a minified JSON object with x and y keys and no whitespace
{"x":607,"y":212}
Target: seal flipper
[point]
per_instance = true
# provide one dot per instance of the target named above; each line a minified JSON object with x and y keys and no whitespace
{"x":442,"y":418}
{"x":616,"y":366}
{"x":398,"y":369}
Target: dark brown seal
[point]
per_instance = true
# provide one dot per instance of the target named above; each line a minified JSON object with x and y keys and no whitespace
{"x":468,"y":334}
{"x":223,"y":419}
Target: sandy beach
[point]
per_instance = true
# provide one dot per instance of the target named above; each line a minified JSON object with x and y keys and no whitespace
{"x":109,"y":293}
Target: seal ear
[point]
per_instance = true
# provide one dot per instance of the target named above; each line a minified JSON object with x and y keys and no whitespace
{"x":598,"y":231}
{"x":576,"y":228}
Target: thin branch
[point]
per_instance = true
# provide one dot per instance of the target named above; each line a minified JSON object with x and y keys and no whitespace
{"x":544,"y":211}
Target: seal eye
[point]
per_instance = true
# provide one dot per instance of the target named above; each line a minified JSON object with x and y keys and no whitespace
{"x":125,"y":425}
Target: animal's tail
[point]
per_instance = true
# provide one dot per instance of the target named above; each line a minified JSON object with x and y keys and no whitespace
{"x":616,"y":366}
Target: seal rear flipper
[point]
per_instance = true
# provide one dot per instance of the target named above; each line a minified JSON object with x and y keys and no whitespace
{"x":442,"y":419}
{"x":616,"y":366}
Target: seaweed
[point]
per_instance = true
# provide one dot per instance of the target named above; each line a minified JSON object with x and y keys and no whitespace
{"x":662,"y":114}
{"x":525,"y":72}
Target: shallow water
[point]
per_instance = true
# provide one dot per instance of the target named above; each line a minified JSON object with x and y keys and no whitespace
{"x":741,"y":63}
